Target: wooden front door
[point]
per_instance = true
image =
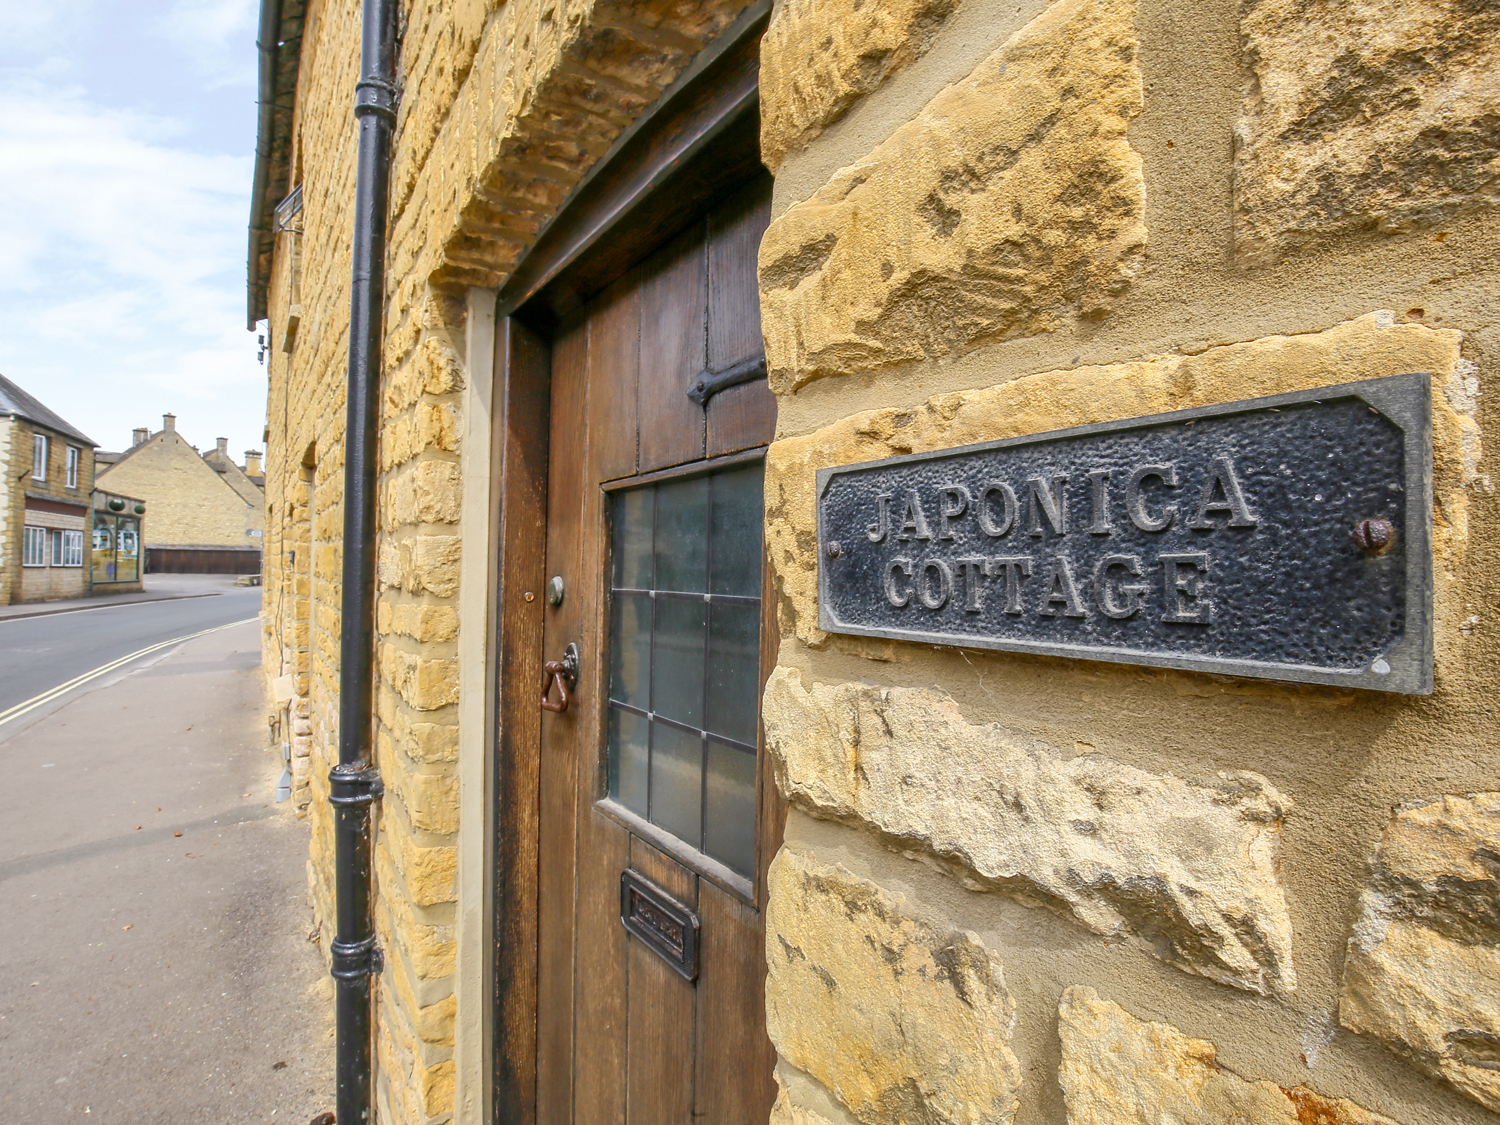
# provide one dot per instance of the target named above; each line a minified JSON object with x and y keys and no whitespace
{"x":658,"y":813}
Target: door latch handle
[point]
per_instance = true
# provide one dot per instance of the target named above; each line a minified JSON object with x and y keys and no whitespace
{"x":562,"y":673}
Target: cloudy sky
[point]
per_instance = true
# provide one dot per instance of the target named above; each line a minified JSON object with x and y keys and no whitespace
{"x":127,"y":140}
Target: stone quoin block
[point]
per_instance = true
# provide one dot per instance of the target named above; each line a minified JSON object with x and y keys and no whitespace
{"x":787,"y":1112}
{"x":434,"y":563}
{"x":1116,"y":1068}
{"x":1010,"y":205}
{"x":902,"y":1021}
{"x":1192,"y":869}
{"x":1364,"y":115}
{"x":1422,"y":973}
{"x":817,"y":59}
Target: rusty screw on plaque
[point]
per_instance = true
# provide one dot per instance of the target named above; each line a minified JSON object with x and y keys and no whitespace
{"x":1373,"y":536}
{"x":834,"y":549}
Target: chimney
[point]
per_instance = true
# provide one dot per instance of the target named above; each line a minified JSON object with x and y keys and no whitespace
{"x":169,"y":422}
{"x":252,"y":462}
{"x":139,"y":436}
{"x":223,"y":450}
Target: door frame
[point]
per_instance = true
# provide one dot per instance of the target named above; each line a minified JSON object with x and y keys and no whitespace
{"x":669,"y":159}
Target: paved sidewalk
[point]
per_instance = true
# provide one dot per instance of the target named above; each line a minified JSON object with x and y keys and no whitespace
{"x":158,"y":588}
{"x":155,"y":967}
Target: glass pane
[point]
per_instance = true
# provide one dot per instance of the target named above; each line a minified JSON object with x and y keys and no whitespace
{"x":730,"y":821}
{"x":677,"y":660}
{"x":737,"y":519}
{"x":676,"y":782}
{"x":627,"y":759}
{"x":630,"y":649}
{"x":682,"y":535}
{"x":733,"y":671}
{"x":632,"y":539}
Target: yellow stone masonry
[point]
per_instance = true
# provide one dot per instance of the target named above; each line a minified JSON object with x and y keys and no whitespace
{"x":990,"y":220}
{"x":503,"y":109}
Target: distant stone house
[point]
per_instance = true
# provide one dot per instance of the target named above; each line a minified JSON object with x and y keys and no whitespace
{"x":44,"y":501}
{"x":206,"y":511}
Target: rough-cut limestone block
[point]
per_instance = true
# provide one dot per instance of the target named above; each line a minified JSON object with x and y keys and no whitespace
{"x":903,"y":1022}
{"x":787,"y":1112}
{"x":1366,"y":348}
{"x":819,"y":57}
{"x":1365,"y":114}
{"x":1116,"y":1068}
{"x":1423,"y":969}
{"x":1192,"y":869}
{"x":1011,"y":204}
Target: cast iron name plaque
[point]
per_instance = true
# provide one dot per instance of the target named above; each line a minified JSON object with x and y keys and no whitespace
{"x":669,"y":929}
{"x":1286,"y":537}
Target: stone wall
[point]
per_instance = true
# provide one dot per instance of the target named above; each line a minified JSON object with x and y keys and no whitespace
{"x":503,"y":109}
{"x":11,"y":502}
{"x":1013,"y":888}
{"x":50,"y":583}
{"x":189,"y":503}
{"x":1025,"y":889}
{"x":28,"y":584}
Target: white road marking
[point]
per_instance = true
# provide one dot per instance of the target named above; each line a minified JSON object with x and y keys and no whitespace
{"x":104,"y":669}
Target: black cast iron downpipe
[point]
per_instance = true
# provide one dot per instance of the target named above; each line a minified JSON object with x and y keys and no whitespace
{"x":354,"y":783}
{"x":265,"y":102}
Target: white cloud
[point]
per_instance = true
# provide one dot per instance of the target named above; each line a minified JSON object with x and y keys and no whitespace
{"x":33,"y":27}
{"x":122,"y":242}
{"x":211,"y":35}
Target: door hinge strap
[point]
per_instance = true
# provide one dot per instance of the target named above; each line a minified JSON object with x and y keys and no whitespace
{"x":709,"y":383}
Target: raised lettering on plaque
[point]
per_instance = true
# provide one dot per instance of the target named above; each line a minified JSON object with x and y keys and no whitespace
{"x":1286,"y":538}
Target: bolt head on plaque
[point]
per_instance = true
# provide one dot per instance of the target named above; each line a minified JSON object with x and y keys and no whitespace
{"x":834,"y":549}
{"x":1373,"y":537}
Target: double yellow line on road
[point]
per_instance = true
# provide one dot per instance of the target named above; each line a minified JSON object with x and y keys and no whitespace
{"x":103,"y":670}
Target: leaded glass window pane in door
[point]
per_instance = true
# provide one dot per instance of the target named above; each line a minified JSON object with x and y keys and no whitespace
{"x":684,"y":661}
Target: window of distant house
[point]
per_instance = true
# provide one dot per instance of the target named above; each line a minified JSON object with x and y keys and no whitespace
{"x":38,"y":457}
{"x":34,"y":547}
{"x":67,"y":548}
{"x":73,"y":459}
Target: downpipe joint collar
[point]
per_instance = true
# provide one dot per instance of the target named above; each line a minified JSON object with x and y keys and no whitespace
{"x":356,"y":960}
{"x":354,"y":785}
{"x":375,"y":96}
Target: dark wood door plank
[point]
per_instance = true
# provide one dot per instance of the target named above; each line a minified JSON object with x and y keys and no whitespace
{"x":603,"y":846}
{"x":614,"y":365}
{"x":662,"y":1006}
{"x":559,"y":741}
{"x":745,"y":416}
{"x":519,"y":470}
{"x":673,"y":295}
{"x":733,"y":1056}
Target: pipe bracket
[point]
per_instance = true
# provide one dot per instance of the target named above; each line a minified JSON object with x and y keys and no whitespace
{"x":354,"y":785}
{"x":354,"y":960}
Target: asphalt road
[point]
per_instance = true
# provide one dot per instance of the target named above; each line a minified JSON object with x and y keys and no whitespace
{"x":156,"y":964}
{"x":38,"y":654}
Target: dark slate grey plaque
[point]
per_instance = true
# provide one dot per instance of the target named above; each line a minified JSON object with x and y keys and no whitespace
{"x":1219,"y":539}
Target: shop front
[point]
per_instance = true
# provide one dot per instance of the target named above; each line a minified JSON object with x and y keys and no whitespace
{"x":115,"y":559}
